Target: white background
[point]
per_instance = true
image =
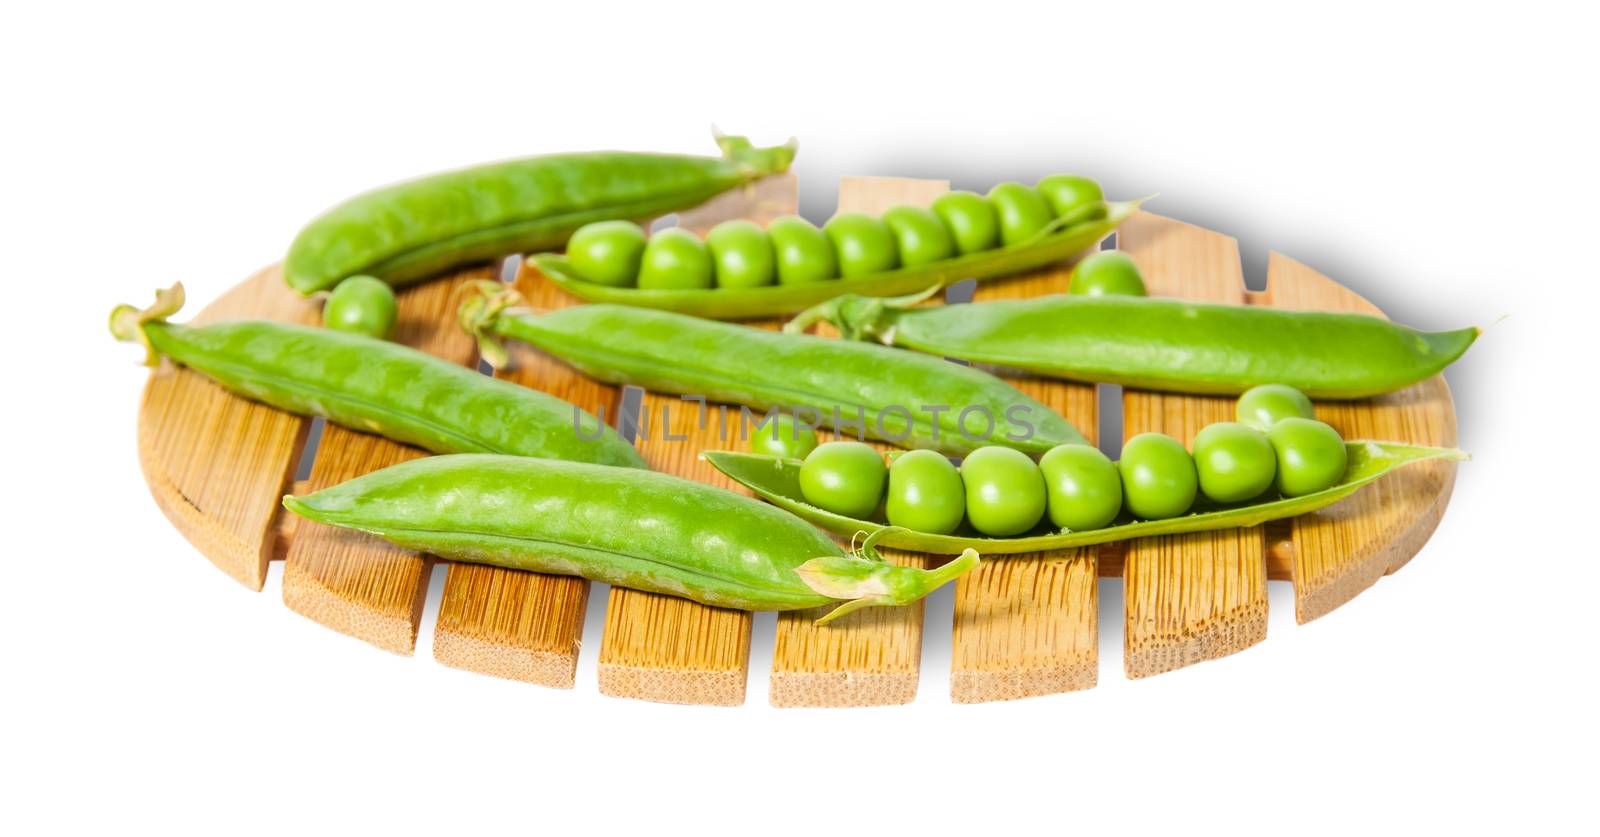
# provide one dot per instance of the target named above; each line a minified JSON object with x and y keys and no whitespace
{"x":1439,"y":162}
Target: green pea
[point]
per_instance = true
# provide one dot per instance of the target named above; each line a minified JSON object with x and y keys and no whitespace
{"x":1022,"y":212}
{"x":363,"y":305}
{"x":1311,"y":455}
{"x":607,"y":252}
{"x":972,"y":221}
{"x":1070,"y":194}
{"x":844,"y":478}
{"x":802,"y":251}
{"x":1082,"y":486}
{"x":1235,"y":461}
{"x":1158,"y":477}
{"x":782,"y":436}
{"x":863,"y":244}
{"x":925,"y":493}
{"x":1005,"y":491}
{"x":741,"y":255}
{"x":1107,"y":273}
{"x":1263,"y":406}
{"x":675,"y":259}
{"x":919,"y":235}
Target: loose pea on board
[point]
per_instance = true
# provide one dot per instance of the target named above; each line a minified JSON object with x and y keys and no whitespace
{"x":1022,"y":212}
{"x":1107,"y":273}
{"x":802,"y":252}
{"x":972,"y":221}
{"x":1235,"y":461}
{"x":1158,"y":477}
{"x":1070,"y":193}
{"x":1267,"y":404}
{"x":1084,"y":490}
{"x":844,"y":477}
{"x":863,"y":244}
{"x":675,"y":258}
{"x":361,"y":305}
{"x":1005,"y":492}
{"x":782,"y":435}
{"x":925,"y":493}
{"x":1311,"y":455}
{"x":607,"y":252}
{"x":741,"y":255}
{"x":920,"y":237}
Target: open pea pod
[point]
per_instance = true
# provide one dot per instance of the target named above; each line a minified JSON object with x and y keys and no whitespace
{"x":1056,"y":245}
{"x":778,"y":481}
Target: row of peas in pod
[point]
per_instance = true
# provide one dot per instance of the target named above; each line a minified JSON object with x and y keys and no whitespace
{"x":1275,"y":449}
{"x":791,"y":250}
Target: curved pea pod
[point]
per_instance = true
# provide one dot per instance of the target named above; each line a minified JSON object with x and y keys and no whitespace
{"x":1159,"y":344}
{"x":637,"y":529}
{"x":415,"y":229}
{"x":374,"y":386}
{"x":1069,"y":237}
{"x":900,"y":397}
{"x":777,"y":480}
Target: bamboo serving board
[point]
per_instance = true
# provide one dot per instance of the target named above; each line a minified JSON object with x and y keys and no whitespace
{"x":1025,"y":625}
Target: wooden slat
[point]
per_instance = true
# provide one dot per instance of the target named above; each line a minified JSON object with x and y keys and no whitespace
{"x":663,"y":648}
{"x":872,"y":657}
{"x":1344,"y":549}
{"x":509,"y":623}
{"x":1028,"y":625}
{"x":1187,"y":598}
{"x":215,"y":462}
{"x":355,"y":583}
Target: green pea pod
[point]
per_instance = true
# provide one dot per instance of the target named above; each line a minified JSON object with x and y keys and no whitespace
{"x":778,"y":481}
{"x":374,"y":386}
{"x":900,"y":397}
{"x":415,"y":229}
{"x":637,"y":529}
{"x":1159,"y":344}
{"x":1069,"y":237}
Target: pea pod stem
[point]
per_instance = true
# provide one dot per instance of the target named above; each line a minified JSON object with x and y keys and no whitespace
{"x":374,"y":386}
{"x":1159,"y":344}
{"x":899,"y":397}
{"x":637,"y":529}
{"x":777,"y":481}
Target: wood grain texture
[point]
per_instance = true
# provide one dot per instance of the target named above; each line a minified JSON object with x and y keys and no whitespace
{"x":1341,"y":550}
{"x":662,"y":648}
{"x":872,"y":657}
{"x":358,"y":584}
{"x":510,"y":623}
{"x":1029,"y":625}
{"x":216,"y":462}
{"x":1187,"y":598}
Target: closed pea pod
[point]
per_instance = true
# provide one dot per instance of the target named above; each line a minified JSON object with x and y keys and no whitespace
{"x":374,"y":386}
{"x":1159,"y":344}
{"x":802,"y":252}
{"x":635,"y":529}
{"x":415,"y":229}
{"x":901,"y":397}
